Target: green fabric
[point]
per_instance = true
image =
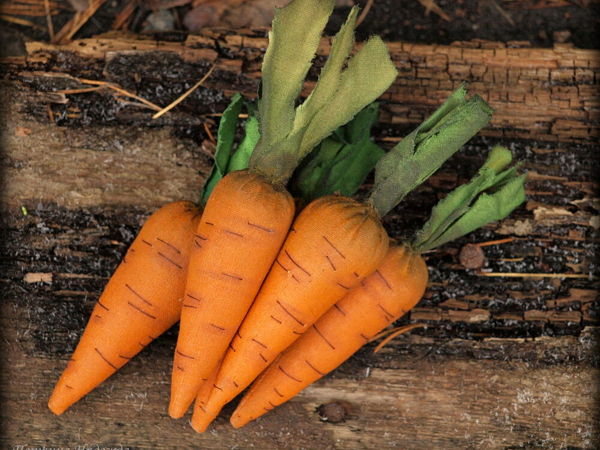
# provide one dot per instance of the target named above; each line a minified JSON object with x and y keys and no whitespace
{"x":293,"y":41}
{"x":225,"y":138}
{"x":491,"y":195}
{"x":341,"y":162}
{"x":422,"y":152}
{"x":241,"y":156}
{"x":288,"y":134}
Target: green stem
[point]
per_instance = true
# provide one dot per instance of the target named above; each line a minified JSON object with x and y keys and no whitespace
{"x":424,"y":150}
{"x":490,"y":195}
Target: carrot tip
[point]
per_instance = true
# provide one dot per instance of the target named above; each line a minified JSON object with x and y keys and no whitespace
{"x":55,"y":407}
{"x":238,"y":421}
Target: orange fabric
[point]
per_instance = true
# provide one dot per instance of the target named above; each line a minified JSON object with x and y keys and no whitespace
{"x":141,"y":301}
{"x":334,"y":243}
{"x":243,"y":227}
{"x":386,"y":295}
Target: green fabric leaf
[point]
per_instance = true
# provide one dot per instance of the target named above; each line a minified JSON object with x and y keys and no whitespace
{"x":240,"y":158}
{"x":225,"y":138}
{"x":491,"y":195}
{"x":369,"y":73}
{"x":341,"y":162}
{"x":293,"y":41}
{"x":329,"y":78}
{"x":488,"y":208}
{"x":338,"y":95}
{"x":424,"y":150}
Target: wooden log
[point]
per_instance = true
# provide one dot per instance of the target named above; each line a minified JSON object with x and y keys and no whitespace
{"x":503,"y":362}
{"x":542,"y":94}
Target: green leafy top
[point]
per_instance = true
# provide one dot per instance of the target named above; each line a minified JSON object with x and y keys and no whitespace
{"x":491,"y":195}
{"x":423,"y":151}
{"x":341,"y":162}
{"x":288,"y":133}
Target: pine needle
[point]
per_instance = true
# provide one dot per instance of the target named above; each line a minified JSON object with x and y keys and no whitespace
{"x":185,"y":95}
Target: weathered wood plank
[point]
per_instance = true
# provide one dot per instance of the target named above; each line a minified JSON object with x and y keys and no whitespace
{"x":543,"y":94}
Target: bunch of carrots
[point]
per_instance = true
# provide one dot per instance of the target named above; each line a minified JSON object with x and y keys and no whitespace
{"x":268,"y":296}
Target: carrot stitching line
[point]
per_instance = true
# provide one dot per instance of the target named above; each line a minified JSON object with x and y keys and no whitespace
{"x":313,"y":367}
{"x":259,"y":343}
{"x":184,"y":355}
{"x":342,"y":312}
{"x":262,"y":357}
{"x":323,"y":337}
{"x":281,"y":265}
{"x":168,"y":244}
{"x":209,"y":223}
{"x":235,"y":277}
{"x":342,"y":286}
{"x":199,"y":236}
{"x":99,"y":303}
{"x":290,"y":376}
{"x":277,"y":392}
{"x":276,"y":320}
{"x":356,"y":275}
{"x":217,"y":326}
{"x":295,"y":278}
{"x":296,"y":264}
{"x":290,"y":314}
{"x":105,"y":360}
{"x":98,"y":316}
{"x":202,"y":408}
{"x":124,"y":357}
{"x":180,"y":368}
{"x":197,"y":244}
{"x":260,"y":227}
{"x":366,"y":338}
{"x":383,"y":279}
{"x":231,"y":347}
{"x":137,"y":308}
{"x":185,"y":305}
{"x":233,"y":233}
{"x":387,"y":313}
{"x":146,"y":242}
{"x":217,"y":387}
{"x":193,"y":298}
{"x":333,"y":246}
{"x":271,"y":403}
{"x":170,"y":260}
{"x":235,"y":384}
{"x":138,"y":295}
{"x":330,"y":262}
{"x":68,"y":386}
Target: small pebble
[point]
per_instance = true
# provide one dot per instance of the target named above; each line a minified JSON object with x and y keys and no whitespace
{"x":471,"y":256}
{"x":335,"y":412}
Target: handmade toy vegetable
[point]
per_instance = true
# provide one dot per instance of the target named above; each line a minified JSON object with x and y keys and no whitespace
{"x":395,"y":287}
{"x":143,"y":297}
{"x":155,"y":264}
{"x":248,"y":215}
{"x":333,"y":244}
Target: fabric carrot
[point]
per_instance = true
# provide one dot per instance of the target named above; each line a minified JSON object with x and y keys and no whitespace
{"x":143,"y":297}
{"x":141,"y":301}
{"x":331,"y":248}
{"x":248,"y":214}
{"x":396,"y":286}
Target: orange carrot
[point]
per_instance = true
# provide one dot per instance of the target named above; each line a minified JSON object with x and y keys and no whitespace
{"x":243,"y":225}
{"x":334,"y":243}
{"x":141,"y":301}
{"x":249,"y":212}
{"x":396,"y":286}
